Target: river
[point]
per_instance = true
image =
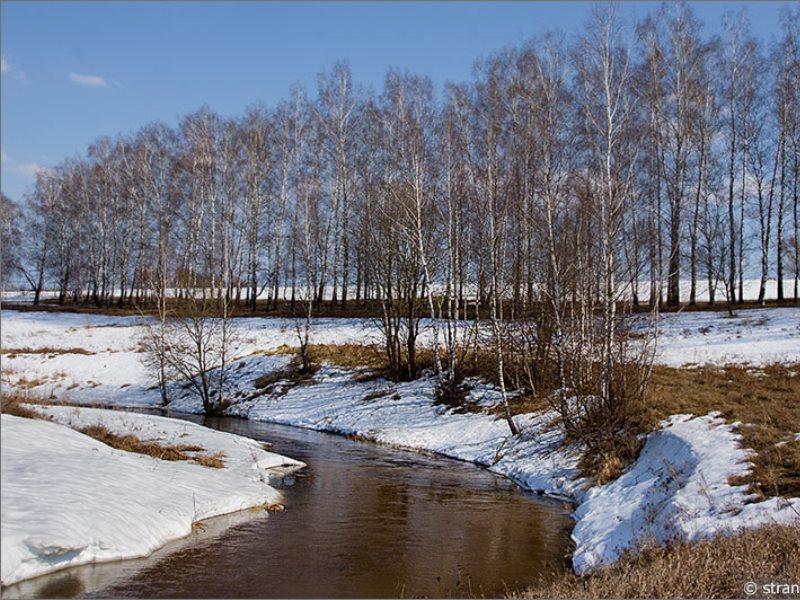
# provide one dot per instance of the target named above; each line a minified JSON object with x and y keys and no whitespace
{"x":362,"y":520}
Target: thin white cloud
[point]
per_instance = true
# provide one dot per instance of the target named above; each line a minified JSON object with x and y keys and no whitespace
{"x":28,"y":169}
{"x":8,"y":69}
{"x":90,"y":80}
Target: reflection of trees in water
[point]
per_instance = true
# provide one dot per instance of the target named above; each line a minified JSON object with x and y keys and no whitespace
{"x":66,"y":586}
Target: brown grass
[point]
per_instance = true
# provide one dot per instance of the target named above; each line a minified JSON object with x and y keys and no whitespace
{"x":292,"y":374}
{"x":52,"y":352}
{"x":27,"y":384}
{"x":346,"y":356}
{"x":715,"y":568}
{"x":215,"y":461}
{"x":11,"y":404}
{"x":131,"y":443}
{"x":764,"y":400}
{"x":276,"y":507}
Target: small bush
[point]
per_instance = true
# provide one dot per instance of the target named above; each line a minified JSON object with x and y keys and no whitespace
{"x":454,"y":395}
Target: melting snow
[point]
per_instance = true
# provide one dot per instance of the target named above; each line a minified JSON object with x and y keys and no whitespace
{"x":68,"y":499}
{"x":678,"y":485}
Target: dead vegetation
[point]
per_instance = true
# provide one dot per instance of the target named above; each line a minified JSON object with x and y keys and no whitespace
{"x":11,"y":404}
{"x":275,"y":507}
{"x":50,"y":351}
{"x":715,"y":568}
{"x":764,"y":400}
{"x":290,"y":376}
{"x":131,"y":443}
{"x":346,"y":356}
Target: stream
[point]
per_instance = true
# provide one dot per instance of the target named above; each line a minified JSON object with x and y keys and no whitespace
{"x":361,"y":520}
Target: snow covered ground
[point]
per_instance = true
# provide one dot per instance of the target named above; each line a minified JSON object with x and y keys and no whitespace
{"x":754,"y":337}
{"x":677,"y":487}
{"x":95,"y":358}
{"x":69,"y":500}
{"x":679,"y":483}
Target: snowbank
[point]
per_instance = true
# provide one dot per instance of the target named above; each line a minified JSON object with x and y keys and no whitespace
{"x":678,"y":487}
{"x":68,"y":499}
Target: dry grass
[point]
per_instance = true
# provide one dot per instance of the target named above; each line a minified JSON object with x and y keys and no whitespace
{"x":716,"y":568}
{"x":215,"y":461}
{"x":11,"y":404}
{"x":764,"y":400}
{"x":293,"y":375}
{"x":376,"y":394}
{"x":131,"y":443}
{"x":27,"y":384}
{"x":346,"y":356}
{"x":276,"y":507}
{"x":50,"y":351}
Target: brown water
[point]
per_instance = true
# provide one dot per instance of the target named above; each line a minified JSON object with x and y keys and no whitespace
{"x":361,"y":521}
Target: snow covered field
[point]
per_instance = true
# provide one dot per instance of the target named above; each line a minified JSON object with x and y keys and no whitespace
{"x":68,"y":499}
{"x":678,"y":485}
{"x":107,"y":365}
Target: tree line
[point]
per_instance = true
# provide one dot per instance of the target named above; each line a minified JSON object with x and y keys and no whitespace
{"x":704,"y":141}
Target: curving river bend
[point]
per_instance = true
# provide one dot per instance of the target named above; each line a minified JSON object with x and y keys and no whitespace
{"x":362,"y":520}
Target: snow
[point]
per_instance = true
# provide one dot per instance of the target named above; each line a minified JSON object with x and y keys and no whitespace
{"x":755,"y":337}
{"x":68,"y":499}
{"x":750,"y":288}
{"x":113,"y":371}
{"x":678,"y":485}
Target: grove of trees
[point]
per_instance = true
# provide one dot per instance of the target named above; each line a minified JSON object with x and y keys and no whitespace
{"x":570,"y":183}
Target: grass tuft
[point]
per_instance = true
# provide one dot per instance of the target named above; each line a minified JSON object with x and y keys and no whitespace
{"x":131,"y":443}
{"x":50,"y":351}
{"x":12,"y":404}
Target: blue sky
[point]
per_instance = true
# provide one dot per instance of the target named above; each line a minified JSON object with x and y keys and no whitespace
{"x":73,"y":71}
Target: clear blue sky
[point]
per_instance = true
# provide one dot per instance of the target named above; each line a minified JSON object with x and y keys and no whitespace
{"x":73,"y":71}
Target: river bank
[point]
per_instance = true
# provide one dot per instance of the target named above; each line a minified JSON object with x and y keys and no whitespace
{"x":69,"y":499}
{"x":680,"y":484}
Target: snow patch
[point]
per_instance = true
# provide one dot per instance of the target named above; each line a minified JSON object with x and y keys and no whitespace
{"x":678,"y":487}
{"x":68,"y":499}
